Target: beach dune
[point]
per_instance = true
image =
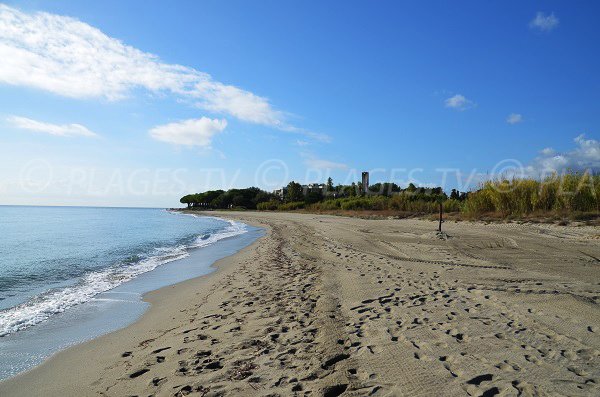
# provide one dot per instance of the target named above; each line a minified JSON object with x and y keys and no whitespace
{"x":330,"y":306}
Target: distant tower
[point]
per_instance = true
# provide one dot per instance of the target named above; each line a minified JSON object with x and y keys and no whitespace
{"x":365,"y":182}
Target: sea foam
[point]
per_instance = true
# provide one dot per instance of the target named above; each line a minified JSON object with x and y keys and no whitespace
{"x":42,"y":306}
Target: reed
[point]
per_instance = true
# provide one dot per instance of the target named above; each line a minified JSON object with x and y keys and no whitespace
{"x":569,"y":193}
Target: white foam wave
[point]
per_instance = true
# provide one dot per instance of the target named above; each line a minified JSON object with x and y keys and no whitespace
{"x":41,"y":307}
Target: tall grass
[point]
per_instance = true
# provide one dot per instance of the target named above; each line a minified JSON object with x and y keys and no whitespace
{"x":566,"y":194}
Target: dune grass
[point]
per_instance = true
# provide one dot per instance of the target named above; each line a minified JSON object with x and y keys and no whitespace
{"x":571,"y":193}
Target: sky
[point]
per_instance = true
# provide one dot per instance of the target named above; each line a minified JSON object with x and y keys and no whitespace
{"x":137,"y":103}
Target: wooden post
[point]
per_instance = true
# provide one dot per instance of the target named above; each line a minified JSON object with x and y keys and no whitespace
{"x":441,"y":212}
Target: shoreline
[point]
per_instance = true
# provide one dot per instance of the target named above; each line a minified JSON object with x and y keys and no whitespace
{"x":151,"y":298}
{"x":576,"y":219}
{"x":332,"y":306}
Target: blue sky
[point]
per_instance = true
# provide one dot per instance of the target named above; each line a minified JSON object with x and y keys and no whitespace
{"x":136,"y":103}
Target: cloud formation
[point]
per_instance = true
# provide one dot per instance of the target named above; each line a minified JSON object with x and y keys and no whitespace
{"x":585,"y":156}
{"x":544,"y":22}
{"x":192,"y":132}
{"x":514,"y":118}
{"x":70,"y":58}
{"x":64,"y":130}
{"x":458,"y":102}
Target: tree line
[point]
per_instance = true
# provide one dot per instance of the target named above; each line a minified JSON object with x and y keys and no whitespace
{"x":573,"y":195}
{"x":220,"y":199}
{"x":294,"y":192}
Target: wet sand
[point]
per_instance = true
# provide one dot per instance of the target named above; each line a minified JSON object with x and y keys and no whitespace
{"x":329,"y":306}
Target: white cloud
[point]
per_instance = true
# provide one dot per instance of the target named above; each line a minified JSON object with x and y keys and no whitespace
{"x":70,"y":58}
{"x":544,"y":22}
{"x":458,"y":102}
{"x":192,"y":132}
{"x":514,"y":118}
{"x":220,"y":98}
{"x":585,"y":156}
{"x":65,"y":130}
{"x":316,"y":163}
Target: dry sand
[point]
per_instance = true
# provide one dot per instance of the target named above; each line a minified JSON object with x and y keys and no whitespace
{"x":328,"y":306}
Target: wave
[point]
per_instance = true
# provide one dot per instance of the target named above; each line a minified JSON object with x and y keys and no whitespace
{"x":41,"y":307}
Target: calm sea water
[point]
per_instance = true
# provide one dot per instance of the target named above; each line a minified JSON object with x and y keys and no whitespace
{"x":70,"y":274}
{"x":55,"y":258}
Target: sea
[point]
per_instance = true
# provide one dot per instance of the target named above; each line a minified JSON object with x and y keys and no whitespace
{"x":69,"y":274}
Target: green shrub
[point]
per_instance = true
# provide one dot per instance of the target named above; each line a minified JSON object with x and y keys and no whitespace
{"x":376,"y":203}
{"x":294,"y":205}
{"x":327,"y":205}
{"x":452,"y":205}
{"x":413,"y":203}
{"x":268,"y":205}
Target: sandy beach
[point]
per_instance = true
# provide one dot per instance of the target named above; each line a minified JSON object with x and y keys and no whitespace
{"x":330,"y":306}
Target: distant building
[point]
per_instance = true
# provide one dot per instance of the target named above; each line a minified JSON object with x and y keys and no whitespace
{"x":365,"y":182}
{"x":313,"y":188}
{"x":306,"y":189}
{"x":280,"y":193}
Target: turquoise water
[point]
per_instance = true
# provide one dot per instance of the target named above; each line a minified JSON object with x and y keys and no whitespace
{"x":71,"y":273}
